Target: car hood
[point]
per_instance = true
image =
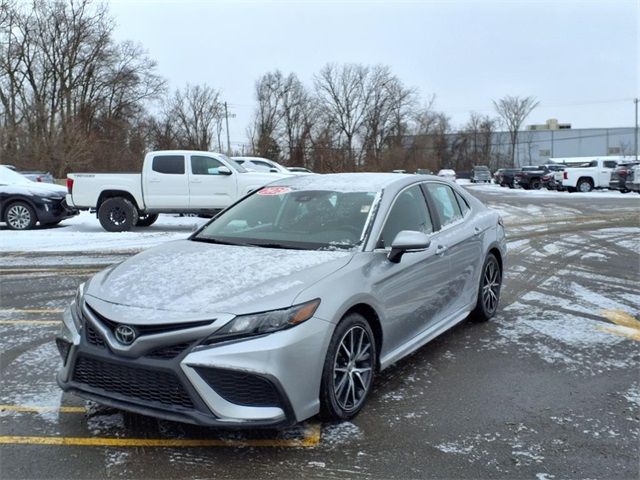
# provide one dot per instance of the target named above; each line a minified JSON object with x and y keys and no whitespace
{"x":200,"y":279}
{"x":36,"y":188}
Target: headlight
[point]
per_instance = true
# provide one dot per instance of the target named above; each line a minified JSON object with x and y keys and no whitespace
{"x":265,"y":322}
{"x":76,"y":309}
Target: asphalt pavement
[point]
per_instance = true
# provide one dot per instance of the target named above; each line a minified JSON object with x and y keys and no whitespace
{"x":549,"y":389}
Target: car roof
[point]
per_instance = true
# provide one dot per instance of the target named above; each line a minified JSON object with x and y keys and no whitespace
{"x":352,"y":182}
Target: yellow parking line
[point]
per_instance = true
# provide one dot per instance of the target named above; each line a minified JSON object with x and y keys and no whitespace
{"x":310,"y":440}
{"x":31,"y":310}
{"x":34,"y":409}
{"x":34,"y":322}
{"x":625,"y":324}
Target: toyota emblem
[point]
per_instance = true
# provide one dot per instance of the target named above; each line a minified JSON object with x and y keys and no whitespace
{"x":125,"y":334}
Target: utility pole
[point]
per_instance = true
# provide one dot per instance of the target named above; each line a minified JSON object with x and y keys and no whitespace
{"x":635,"y":136}
{"x":226,"y":119}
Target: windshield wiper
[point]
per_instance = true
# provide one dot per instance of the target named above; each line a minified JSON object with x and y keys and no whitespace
{"x":219,"y":242}
{"x":275,"y":245}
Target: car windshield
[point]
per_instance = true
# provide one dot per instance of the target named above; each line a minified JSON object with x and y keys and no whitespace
{"x":235,"y":165}
{"x":282,"y":217}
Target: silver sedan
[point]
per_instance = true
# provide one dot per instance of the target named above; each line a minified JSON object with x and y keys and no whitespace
{"x":286,"y":304}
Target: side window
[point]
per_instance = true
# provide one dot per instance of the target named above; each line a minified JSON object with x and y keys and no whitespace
{"x":610,"y":164}
{"x":409,"y":212}
{"x":445,"y":203}
{"x":205,"y":165}
{"x":168,"y":164}
{"x":464,"y":206}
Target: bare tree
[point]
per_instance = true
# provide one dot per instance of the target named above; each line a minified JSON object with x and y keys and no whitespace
{"x":343,"y":99}
{"x":269,"y":91}
{"x":513,"y":111}
{"x":196,"y":111}
{"x":296,"y":118}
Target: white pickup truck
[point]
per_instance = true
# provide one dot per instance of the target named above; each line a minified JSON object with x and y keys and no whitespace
{"x":172,"y":181}
{"x":595,"y":173}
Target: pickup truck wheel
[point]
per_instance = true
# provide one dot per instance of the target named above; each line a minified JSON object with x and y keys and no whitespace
{"x":535,"y":184}
{"x":488,"y":290}
{"x":117,"y":214}
{"x":584,"y":185}
{"x":147,"y":220}
{"x":20,"y":216}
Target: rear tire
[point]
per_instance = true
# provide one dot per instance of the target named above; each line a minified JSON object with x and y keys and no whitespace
{"x":20,"y":216}
{"x":117,"y":214}
{"x":584,"y":185}
{"x":349,"y":369}
{"x":535,"y":184}
{"x":488,"y":290}
{"x":147,"y":220}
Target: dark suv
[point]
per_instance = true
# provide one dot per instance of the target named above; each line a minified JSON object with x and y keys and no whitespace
{"x":505,"y":177}
{"x":480,"y":174}
{"x":620,"y":175}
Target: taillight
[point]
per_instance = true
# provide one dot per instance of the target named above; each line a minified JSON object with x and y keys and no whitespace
{"x":70,"y":185}
{"x":565,"y":176}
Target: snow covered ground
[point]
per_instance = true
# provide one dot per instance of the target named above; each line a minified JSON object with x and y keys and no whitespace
{"x":84,"y":233}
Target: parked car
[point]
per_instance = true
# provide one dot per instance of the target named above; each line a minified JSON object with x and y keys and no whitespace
{"x":172,"y":181}
{"x":633,"y":179}
{"x":591,"y":175}
{"x":398,"y":171}
{"x":41,"y":177}
{"x":265,"y":165}
{"x":24,"y":203}
{"x":620,"y":175}
{"x":299,"y":170}
{"x":480,"y":174}
{"x":505,"y":177}
{"x":287,"y":304}
{"x":448,"y":174}
{"x":423,"y":171}
{"x":534,"y":177}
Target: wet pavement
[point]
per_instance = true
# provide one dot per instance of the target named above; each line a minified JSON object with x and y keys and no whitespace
{"x":548,"y":389}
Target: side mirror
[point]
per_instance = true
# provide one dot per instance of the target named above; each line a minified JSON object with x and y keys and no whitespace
{"x":407,"y":241}
{"x":224,"y":171}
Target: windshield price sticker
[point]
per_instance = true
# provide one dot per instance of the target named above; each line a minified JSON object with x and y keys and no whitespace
{"x":274,"y":191}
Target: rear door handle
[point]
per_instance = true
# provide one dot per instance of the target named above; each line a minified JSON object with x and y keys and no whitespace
{"x":477,"y":231}
{"x":440,"y":249}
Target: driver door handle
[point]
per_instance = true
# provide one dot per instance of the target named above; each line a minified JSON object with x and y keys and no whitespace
{"x":440,"y":249}
{"x":477,"y":231}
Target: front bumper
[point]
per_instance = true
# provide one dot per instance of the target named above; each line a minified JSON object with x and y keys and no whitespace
{"x":267,"y":381}
{"x":51,"y":212}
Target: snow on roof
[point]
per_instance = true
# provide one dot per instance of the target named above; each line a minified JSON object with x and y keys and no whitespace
{"x":342,"y":182}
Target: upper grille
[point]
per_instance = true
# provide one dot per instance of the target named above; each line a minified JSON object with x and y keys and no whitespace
{"x":139,"y":383}
{"x":150,"y":329}
{"x":241,"y":388}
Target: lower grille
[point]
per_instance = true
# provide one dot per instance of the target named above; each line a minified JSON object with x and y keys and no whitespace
{"x":169,"y":352}
{"x":139,"y":383}
{"x":241,"y":388}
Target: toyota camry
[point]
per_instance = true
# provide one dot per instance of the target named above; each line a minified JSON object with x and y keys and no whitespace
{"x":286,"y":304}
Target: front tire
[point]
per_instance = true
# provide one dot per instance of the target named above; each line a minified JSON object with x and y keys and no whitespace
{"x":349,"y":369}
{"x":147,"y":220}
{"x":117,"y":214}
{"x":20,"y":216}
{"x":488,"y":290}
{"x":535,"y":184}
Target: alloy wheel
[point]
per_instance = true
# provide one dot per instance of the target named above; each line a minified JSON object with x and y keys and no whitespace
{"x":118,"y":216}
{"x":491,"y":287}
{"x":19,"y":217}
{"x":353,"y":368}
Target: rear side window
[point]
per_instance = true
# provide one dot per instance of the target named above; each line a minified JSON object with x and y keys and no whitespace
{"x":168,"y":164}
{"x":445,"y":203}
{"x":610,"y":164}
{"x":464,"y":206}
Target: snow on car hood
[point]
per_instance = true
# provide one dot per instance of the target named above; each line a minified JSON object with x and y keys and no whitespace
{"x":35,"y":188}
{"x":201,"y":278}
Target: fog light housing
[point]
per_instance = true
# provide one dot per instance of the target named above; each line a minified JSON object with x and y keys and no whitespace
{"x":64,"y":348}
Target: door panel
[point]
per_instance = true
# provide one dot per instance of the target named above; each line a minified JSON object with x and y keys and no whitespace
{"x":208,"y":188}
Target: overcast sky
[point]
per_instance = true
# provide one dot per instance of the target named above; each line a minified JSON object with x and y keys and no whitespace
{"x":580,"y":59}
